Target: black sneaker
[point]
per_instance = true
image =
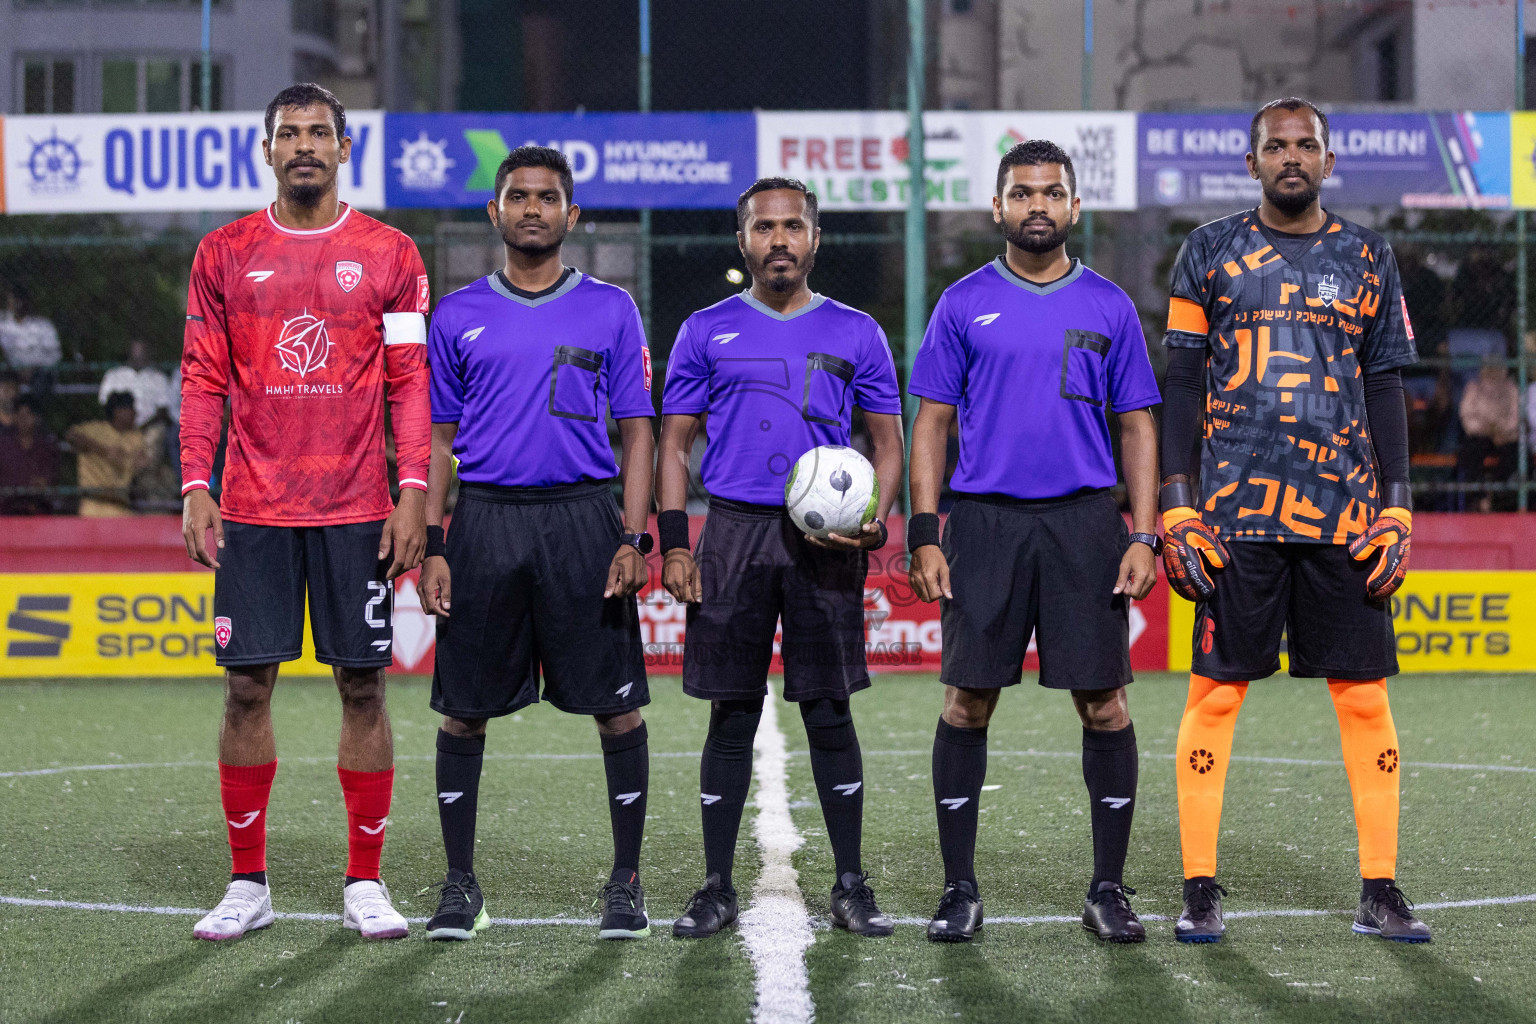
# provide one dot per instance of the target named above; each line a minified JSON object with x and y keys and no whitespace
{"x":1201,"y":920}
{"x":959,"y":914}
{"x":711,"y":909}
{"x":460,"y":908}
{"x":624,"y":911}
{"x":1388,"y":914}
{"x":1108,"y":914}
{"x":853,"y":907}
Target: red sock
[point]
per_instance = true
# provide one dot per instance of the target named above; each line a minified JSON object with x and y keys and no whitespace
{"x":367,"y":795}
{"x":244,"y":790}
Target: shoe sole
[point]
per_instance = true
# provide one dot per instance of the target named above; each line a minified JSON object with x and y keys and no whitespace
{"x":261,"y":922}
{"x":873,"y":933}
{"x":624,"y":933}
{"x":1412,"y":940}
{"x":683,"y":934}
{"x":482,"y":920}
{"x":1119,"y":940}
{"x":948,"y":936}
{"x":1202,"y":940}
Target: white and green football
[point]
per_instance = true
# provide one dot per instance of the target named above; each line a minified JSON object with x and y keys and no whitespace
{"x":831,"y":489}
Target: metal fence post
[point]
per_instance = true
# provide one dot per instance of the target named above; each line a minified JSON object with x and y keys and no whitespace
{"x":917,"y":223}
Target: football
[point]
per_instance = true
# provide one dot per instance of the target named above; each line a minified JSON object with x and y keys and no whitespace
{"x":831,"y":489}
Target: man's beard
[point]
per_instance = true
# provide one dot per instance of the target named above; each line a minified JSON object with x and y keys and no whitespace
{"x":306,"y":196}
{"x":1291,"y":203}
{"x":556,"y":237}
{"x":1021,"y":238}
{"x":782,"y":282}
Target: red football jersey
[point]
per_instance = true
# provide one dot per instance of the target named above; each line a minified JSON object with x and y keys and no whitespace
{"x":306,"y":333}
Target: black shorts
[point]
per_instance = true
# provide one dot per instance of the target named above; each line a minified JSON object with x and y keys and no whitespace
{"x":1312,"y":593}
{"x":529,"y":565}
{"x":258,"y":595}
{"x":1044,"y":567}
{"x":756,"y":568}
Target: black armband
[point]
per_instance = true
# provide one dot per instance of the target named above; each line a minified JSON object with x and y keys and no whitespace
{"x":922,"y":530}
{"x":437,"y":544}
{"x":1398,"y":495}
{"x":1178,"y":494}
{"x":672,"y":524}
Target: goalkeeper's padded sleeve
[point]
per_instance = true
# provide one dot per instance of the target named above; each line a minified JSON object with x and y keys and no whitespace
{"x":1183,"y":412}
{"x":1386,"y":412}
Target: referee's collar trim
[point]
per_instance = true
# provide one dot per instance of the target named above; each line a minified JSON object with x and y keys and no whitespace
{"x":1006,"y":273}
{"x":494,"y":279}
{"x":762,"y":307}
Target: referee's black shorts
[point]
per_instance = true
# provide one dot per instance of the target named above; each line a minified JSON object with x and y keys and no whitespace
{"x":529,"y":566}
{"x":755,"y":569}
{"x":1046,"y":568}
{"x":1311,"y":594}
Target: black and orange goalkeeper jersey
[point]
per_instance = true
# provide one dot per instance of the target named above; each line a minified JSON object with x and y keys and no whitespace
{"x":1287,"y":453}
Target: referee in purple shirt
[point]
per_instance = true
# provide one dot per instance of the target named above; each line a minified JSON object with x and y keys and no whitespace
{"x":774,"y":372}
{"x":1030,"y":352}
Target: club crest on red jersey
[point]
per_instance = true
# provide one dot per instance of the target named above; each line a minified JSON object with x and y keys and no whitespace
{"x":423,"y":294}
{"x":348,"y":274}
{"x":303,"y":346}
{"x":223,"y":629}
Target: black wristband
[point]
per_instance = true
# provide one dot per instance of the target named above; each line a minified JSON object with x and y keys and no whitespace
{"x":1176,"y":495}
{"x":1398,"y":495}
{"x":672,"y":524}
{"x":922,"y":530}
{"x":437,"y":545}
{"x":885,"y":535}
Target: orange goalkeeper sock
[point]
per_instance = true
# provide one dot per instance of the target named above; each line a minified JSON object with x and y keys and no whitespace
{"x":1369,"y":741}
{"x":1205,"y":747}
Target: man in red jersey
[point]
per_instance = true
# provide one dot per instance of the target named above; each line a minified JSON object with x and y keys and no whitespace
{"x":306,"y":316}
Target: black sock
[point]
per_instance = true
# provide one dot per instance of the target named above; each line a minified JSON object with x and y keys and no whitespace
{"x":458,"y":793}
{"x":627,"y":764}
{"x":259,"y":877}
{"x":725,"y":775}
{"x":1110,"y":766}
{"x":1371,"y":886}
{"x":959,"y":769}
{"x":838,"y":767}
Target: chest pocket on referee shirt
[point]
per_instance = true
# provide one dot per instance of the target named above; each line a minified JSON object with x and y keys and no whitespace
{"x":827,"y":380}
{"x":573,"y":381}
{"x":1082,"y":366}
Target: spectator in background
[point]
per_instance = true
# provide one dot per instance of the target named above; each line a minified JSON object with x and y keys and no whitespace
{"x":29,"y":457}
{"x":111,"y":451}
{"x":1490,"y":424}
{"x":10,"y":387}
{"x":150,"y":388}
{"x":29,"y":342}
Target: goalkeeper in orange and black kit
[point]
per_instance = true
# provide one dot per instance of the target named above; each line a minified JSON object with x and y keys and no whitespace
{"x":1285,"y":492}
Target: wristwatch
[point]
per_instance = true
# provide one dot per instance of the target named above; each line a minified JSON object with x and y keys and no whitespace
{"x":1151,"y":540}
{"x":641,"y":542}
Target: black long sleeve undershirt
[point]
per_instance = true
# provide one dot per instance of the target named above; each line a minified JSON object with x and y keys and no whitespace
{"x":1184,"y":417}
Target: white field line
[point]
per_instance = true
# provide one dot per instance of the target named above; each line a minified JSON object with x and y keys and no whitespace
{"x":524,"y":922}
{"x":693,"y":755}
{"x":776,"y":929}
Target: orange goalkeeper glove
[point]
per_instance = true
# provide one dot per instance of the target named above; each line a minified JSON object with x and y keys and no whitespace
{"x":1191,"y":549}
{"x":1391,"y":534}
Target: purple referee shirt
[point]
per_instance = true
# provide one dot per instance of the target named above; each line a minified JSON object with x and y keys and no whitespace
{"x":775,"y":385}
{"x":531,"y":382}
{"x":1032,"y":369}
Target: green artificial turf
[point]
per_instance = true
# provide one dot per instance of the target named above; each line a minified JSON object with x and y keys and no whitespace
{"x":154,"y":836}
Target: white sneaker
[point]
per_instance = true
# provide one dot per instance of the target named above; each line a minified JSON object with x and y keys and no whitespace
{"x":369,"y":911}
{"x":245,"y":907}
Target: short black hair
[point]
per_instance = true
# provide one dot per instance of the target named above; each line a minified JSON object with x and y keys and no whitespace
{"x":118,"y":398}
{"x":1288,"y":103}
{"x":537,"y":156}
{"x":1033,"y":153}
{"x":812,"y":210}
{"x":302,"y":95}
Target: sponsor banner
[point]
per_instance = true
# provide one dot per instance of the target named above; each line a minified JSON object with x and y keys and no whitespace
{"x":1445,"y":622}
{"x":665,"y":160}
{"x":857,"y":160}
{"x":1424,"y":159}
{"x":155,"y":163}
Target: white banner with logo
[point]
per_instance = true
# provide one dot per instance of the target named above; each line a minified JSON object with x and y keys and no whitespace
{"x":857,"y":160}
{"x":155,"y":163}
